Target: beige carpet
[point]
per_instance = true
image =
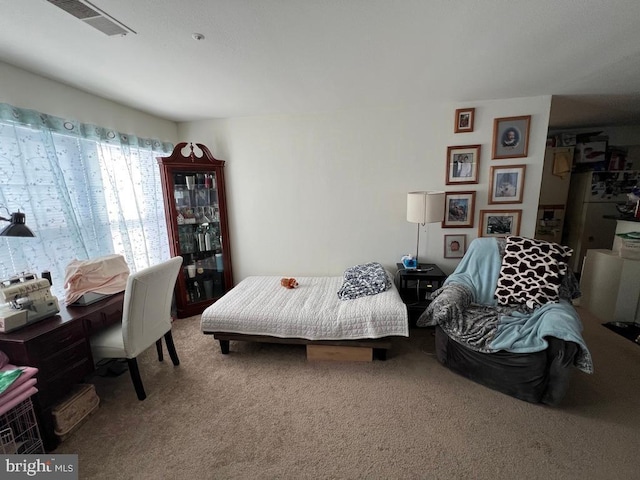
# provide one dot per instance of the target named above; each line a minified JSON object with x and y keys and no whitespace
{"x":265,"y":412}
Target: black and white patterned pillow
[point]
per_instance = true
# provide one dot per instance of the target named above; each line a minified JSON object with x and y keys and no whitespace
{"x":531,"y":272}
{"x":362,"y":280}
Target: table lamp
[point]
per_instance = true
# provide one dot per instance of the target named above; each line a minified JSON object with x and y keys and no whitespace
{"x":423,"y":208}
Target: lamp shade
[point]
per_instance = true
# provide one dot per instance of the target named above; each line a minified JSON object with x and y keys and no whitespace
{"x":425,"y":207}
{"x":17,"y":227}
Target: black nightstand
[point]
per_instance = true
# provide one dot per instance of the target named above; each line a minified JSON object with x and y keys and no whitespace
{"x":416,"y":284}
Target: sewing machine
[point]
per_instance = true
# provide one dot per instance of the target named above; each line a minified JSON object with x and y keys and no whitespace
{"x":27,"y":299}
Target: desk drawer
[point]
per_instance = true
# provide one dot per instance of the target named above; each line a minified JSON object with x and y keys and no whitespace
{"x":104,"y":318}
{"x":57,"y":384}
{"x":64,"y":358}
{"x":56,"y":341}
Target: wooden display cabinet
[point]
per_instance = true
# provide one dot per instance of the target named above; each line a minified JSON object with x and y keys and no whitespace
{"x":196,"y":213}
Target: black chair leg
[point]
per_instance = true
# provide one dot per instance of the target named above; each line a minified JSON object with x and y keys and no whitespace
{"x":159,"y":349}
{"x":135,"y":378}
{"x":171,"y":348}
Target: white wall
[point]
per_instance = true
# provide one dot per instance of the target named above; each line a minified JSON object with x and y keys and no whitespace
{"x":26,"y":90}
{"x":314,"y":194}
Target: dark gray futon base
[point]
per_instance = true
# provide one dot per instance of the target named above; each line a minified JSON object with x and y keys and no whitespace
{"x":539,"y":377}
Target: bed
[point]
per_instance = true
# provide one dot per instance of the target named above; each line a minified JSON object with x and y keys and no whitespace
{"x":259,"y":309}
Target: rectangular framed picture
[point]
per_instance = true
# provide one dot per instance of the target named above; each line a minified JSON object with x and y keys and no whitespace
{"x":459,"y":208}
{"x":511,"y":137}
{"x":506,"y":184}
{"x":462,"y":164}
{"x":464,"y":120}
{"x":499,"y":223}
{"x":455,"y":246}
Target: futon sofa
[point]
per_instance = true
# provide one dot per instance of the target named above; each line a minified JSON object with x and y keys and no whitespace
{"x":504,"y":319}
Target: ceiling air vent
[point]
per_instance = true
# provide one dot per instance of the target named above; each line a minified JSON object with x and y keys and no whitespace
{"x":93,"y":16}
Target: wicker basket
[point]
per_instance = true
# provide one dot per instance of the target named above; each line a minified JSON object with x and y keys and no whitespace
{"x":74,"y":410}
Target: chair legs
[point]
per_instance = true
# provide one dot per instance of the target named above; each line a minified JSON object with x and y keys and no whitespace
{"x":135,"y":378}
{"x":168,"y":338}
{"x":133,"y":363}
{"x":159,"y":349}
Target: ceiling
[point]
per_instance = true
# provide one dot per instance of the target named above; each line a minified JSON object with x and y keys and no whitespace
{"x":302,"y":56}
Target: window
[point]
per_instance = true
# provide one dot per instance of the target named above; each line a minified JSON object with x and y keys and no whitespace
{"x":86,"y":192}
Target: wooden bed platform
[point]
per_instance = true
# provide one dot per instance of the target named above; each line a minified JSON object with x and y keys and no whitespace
{"x":259,"y":309}
{"x":343,"y":348}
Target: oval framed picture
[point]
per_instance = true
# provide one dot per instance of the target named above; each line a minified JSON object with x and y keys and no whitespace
{"x":511,"y":137}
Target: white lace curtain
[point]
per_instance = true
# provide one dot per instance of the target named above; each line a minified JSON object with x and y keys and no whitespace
{"x":87,"y":191}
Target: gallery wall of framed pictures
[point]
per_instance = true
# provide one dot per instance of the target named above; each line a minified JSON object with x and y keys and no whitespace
{"x":506,"y":182}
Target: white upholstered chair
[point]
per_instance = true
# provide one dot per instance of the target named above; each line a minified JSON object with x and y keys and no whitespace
{"x":146,"y":318}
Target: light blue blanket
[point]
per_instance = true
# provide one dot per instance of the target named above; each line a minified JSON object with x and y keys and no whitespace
{"x":466,"y":309}
{"x":479,"y":270}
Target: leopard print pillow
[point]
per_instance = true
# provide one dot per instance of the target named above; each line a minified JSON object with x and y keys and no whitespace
{"x":531,"y":272}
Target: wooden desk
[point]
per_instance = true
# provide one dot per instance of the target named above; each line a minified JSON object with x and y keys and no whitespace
{"x":59,"y":348}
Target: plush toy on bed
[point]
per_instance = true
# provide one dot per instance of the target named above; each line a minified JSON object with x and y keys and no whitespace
{"x":289,"y":282}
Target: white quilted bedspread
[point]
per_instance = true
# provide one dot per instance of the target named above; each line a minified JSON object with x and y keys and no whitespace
{"x":259,"y":305}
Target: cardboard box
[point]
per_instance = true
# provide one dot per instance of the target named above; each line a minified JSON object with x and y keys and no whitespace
{"x":339,"y":353}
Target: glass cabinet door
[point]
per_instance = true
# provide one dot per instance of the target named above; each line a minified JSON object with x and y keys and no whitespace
{"x":199,"y":235}
{"x":196,"y":214}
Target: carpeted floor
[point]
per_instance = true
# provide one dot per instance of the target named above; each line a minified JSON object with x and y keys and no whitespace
{"x":265,"y":412}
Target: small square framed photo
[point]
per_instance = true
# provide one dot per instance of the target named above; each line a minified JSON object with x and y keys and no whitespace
{"x":459,"y":208}
{"x":455,"y":246}
{"x":499,"y":223}
{"x":506,"y":184}
{"x":462,"y":164}
{"x":464,"y":120}
{"x":511,"y":137}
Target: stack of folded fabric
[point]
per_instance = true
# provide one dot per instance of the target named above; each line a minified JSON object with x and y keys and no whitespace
{"x":16,"y":384}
